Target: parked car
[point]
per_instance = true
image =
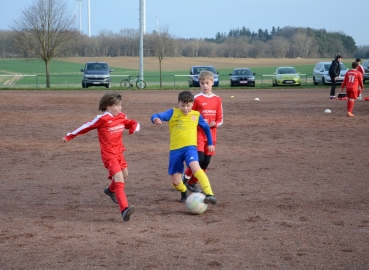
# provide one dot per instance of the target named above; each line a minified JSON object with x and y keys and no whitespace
{"x":242,"y":76}
{"x":321,"y":73}
{"x":96,"y":74}
{"x":286,"y":76}
{"x":193,"y":79}
{"x":366,"y":69}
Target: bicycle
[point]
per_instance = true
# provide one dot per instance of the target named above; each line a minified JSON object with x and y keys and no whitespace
{"x":127,"y":83}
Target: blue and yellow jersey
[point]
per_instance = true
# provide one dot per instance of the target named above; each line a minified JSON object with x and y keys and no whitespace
{"x":183,"y":128}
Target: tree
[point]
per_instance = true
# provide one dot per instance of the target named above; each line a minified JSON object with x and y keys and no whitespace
{"x":164,"y":44}
{"x":46,"y":30}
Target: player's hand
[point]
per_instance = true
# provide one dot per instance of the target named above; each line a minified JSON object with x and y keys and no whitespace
{"x":64,"y":140}
{"x":212,"y":124}
{"x":211,"y":148}
{"x":157,"y":121}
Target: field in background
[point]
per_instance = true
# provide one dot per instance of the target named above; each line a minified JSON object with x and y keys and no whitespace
{"x":65,"y":72}
{"x":184,"y":63}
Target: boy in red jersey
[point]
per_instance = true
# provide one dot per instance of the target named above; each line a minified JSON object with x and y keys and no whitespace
{"x":110,"y":126}
{"x":362,"y":71}
{"x":211,"y":109}
{"x":353,"y":80}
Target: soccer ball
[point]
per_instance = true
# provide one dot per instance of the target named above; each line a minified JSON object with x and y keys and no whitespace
{"x":195,"y":203}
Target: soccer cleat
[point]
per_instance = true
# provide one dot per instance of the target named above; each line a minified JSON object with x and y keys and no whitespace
{"x":210,"y":199}
{"x":183,"y":196}
{"x":332,"y":97}
{"x":349,"y":114}
{"x":193,"y":188}
{"x":126,"y":214}
{"x":110,"y":194}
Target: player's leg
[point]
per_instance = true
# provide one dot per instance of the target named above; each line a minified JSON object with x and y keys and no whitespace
{"x":204,"y":182}
{"x":110,"y":190}
{"x":117,"y":167}
{"x":124,"y":208}
{"x":193,"y":163}
{"x":175,"y":170}
{"x":188,"y":177}
{"x":351,"y":96}
{"x":333,"y":88}
{"x":204,"y":161}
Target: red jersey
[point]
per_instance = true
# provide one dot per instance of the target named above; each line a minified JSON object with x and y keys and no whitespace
{"x":361,"y":70}
{"x":353,"y":79}
{"x":211,"y":109}
{"x":109,"y":130}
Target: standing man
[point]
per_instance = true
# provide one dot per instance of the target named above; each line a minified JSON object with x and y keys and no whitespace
{"x":334,"y":73}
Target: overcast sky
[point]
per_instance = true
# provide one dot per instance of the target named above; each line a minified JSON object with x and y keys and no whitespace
{"x":204,"y":18}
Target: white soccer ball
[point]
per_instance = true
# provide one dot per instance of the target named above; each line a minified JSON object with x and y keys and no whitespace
{"x":195,"y":203}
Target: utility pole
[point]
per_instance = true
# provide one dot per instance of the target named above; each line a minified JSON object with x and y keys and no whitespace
{"x":142,"y":21}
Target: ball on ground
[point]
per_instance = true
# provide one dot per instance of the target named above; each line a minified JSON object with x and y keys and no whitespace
{"x":195,"y":203}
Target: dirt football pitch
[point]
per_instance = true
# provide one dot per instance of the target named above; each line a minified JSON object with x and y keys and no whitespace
{"x":291,"y":182}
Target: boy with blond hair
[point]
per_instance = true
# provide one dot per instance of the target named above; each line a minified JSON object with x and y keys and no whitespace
{"x":211,"y":109}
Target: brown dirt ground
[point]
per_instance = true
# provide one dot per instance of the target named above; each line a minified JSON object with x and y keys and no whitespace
{"x":184,"y":63}
{"x":292,"y":184}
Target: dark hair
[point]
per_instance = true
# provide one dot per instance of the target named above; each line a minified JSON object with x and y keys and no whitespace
{"x":109,"y":99}
{"x":185,"y":97}
{"x":338,"y":56}
{"x":355,"y":65}
{"x":358,"y":60}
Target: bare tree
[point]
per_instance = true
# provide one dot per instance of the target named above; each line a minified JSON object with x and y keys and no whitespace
{"x":46,"y":30}
{"x":164,"y":44}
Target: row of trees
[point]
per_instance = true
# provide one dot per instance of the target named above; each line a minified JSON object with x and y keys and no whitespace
{"x":287,"y":42}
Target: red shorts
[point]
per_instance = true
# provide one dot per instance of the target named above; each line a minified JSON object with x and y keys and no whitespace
{"x":202,"y":146}
{"x":115,"y":165}
{"x":352,"y":94}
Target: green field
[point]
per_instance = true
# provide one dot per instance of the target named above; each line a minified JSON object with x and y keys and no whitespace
{"x":65,"y":75}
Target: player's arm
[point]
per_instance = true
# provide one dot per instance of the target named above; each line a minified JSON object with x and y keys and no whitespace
{"x":206,"y":129}
{"x":132,"y":125}
{"x":83,"y":129}
{"x":361,"y":80}
{"x":157,"y":118}
{"x":219,"y":116}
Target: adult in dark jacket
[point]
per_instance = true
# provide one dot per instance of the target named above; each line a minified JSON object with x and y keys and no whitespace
{"x":334,"y":73}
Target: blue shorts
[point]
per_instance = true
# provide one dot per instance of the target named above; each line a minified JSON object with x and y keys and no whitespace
{"x":176,"y":158}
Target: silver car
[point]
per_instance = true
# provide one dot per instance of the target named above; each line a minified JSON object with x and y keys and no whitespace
{"x":96,"y":74}
{"x":321,"y":73}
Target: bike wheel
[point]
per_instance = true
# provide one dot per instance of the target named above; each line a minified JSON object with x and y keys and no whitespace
{"x":140,"y":84}
{"x":125,"y":84}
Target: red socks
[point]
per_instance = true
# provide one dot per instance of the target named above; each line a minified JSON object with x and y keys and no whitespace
{"x":350,"y":105}
{"x":120,"y":195}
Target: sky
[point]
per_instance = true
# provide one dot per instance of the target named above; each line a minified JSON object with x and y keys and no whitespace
{"x":204,"y":18}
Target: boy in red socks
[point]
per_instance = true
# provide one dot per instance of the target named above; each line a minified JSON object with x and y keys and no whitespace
{"x":353,"y":80}
{"x":211,"y":109}
{"x":110,"y":126}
